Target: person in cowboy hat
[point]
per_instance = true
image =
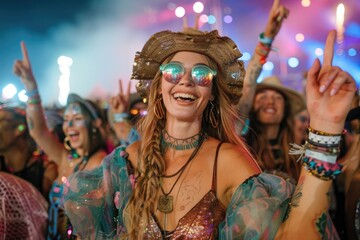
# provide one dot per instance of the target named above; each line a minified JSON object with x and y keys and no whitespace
{"x":271,"y":126}
{"x":191,"y":176}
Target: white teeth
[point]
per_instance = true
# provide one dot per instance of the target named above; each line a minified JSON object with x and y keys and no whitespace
{"x":270,"y":110}
{"x":72,"y":133}
{"x":184,"y":95}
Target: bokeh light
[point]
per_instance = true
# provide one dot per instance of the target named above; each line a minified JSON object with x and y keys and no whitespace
{"x":9,"y":91}
{"x":180,"y":12}
{"x":204,"y":18}
{"x":299,"y":37}
{"x":319,"y":52}
{"x":268,"y":66}
{"x":228,"y":19}
{"x":305,"y":3}
{"x":212,"y":19}
{"x":246,"y":56}
{"x":352,"y":52}
{"x":22,"y":96}
{"x":293,"y":62}
{"x":198,"y":7}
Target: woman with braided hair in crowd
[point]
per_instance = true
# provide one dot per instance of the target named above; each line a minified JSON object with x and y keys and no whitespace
{"x":191,"y":176}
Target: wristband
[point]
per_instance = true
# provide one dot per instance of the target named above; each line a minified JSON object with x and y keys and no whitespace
{"x":32,"y":93}
{"x":120,"y":117}
{"x":265,"y":40}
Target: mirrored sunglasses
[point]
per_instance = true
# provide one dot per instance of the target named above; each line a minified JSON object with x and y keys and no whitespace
{"x":201,"y":74}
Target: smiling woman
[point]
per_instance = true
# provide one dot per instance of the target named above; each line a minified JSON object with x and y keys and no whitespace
{"x":191,"y":176}
{"x":271,"y":126}
{"x":84,"y":144}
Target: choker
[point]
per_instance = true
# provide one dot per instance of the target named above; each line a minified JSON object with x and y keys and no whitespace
{"x":167,"y":141}
{"x":165,"y":201}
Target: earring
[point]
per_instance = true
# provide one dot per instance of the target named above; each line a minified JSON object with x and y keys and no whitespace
{"x":214,"y":121}
{"x":67,"y":143}
{"x":159,"y":110}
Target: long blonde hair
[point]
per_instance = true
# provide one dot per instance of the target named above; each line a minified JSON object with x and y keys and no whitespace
{"x":151,"y":164}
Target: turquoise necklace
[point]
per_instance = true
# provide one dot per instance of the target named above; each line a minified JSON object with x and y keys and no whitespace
{"x":167,"y":141}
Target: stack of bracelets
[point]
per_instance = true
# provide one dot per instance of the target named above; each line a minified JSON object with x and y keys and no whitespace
{"x":321,"y":151}
{"x":264,"y":47}
{"x":33,"y":97}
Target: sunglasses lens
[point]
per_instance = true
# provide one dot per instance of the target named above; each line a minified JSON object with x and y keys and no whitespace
{"x":172,"y":72}
{"x":202,"y":75}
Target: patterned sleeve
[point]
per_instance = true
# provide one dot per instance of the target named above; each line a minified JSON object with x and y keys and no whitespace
{"x":257,"y":208}
{"x":88,"y":198}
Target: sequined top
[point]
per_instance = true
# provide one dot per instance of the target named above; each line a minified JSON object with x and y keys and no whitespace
{"x":200,"y":222}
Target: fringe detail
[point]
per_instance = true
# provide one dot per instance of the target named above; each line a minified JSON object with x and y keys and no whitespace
{"x":297,"y":150}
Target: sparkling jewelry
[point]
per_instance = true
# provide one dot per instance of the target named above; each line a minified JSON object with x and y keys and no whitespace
{"x":165,"y":201}
{"x":167,"y":141}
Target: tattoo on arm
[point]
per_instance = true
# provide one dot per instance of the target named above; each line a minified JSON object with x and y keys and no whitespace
{"x":320,"y":225}
{"x":298,"y":193}
{"x":295,"y":201}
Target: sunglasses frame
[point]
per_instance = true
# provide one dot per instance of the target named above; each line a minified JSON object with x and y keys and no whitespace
{"x":211,"y":71}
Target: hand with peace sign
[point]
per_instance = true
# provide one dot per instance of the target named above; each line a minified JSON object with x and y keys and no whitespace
{"x":120,"y":102}
{"x":329,"y":91}
{"x":22,"y":68}
{"x":276,"y":17}
{"x":119,"y":108}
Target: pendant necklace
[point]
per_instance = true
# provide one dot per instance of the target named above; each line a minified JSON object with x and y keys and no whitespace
{"x":165,"y":202}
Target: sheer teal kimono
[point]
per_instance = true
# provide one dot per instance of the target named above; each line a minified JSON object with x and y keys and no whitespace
{"x":95,"y":201}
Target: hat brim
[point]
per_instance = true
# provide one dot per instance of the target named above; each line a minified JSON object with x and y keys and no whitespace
{"x":74,"y":98}
{"x":295,"y":99}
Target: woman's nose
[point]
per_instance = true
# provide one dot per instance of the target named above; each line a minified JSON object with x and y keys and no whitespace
{"x":187,"y":80}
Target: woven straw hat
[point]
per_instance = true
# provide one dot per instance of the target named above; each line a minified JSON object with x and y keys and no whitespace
{"x":296,"y":100}
{"x":222,"y":50}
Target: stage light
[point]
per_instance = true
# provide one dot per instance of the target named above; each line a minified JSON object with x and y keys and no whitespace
{"x":9,"y":91}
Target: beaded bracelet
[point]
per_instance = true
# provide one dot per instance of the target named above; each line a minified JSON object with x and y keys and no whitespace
{"x":35,"y":101}
{"x":324,"y":139}
{"x":321,"y":170}
{"x":324,"y":149}
{"x":318,"y":132}
{"x":121,"y":117}
{"x":265,"y":40}
{"x":263,"y":52}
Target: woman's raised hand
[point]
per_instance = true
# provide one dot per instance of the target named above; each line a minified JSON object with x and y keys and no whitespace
{"x":329,"y":92}
{"x":22,"y":68}
{"x":276,"y":17}
{"x":121,"y":102}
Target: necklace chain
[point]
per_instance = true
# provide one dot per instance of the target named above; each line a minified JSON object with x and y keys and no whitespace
{"x":165,"y":202}
{"x":196,"y":141}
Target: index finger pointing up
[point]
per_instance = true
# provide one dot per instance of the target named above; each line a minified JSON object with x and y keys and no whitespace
{"x":25,"y":54}
{"x":329,"y":49}
{"x":275,"y":4}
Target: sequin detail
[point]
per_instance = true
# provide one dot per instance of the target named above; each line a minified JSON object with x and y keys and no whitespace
{"x":201,"y":222}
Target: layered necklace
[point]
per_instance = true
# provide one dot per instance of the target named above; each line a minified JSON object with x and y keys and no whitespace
{"x":165,"y":202}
